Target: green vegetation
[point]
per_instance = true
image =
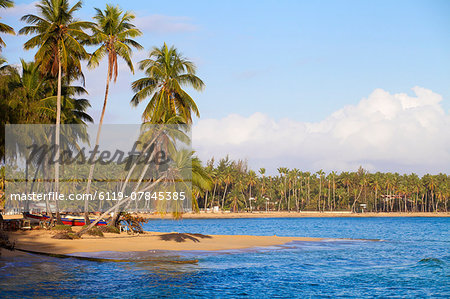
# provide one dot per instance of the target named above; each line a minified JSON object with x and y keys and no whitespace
{"x":93,"y":231}
{"x":109,"y":229}
{"x":65,"y":235}
{"x":237,"y":188}
{"x":58,"y":37}
{"x":61,"y":227}
{"x":113,"y":32}
{"x":44,"y":91}
{"x":3,"y":27}
{"x":167,"y":72}
{"x":134,"y":223}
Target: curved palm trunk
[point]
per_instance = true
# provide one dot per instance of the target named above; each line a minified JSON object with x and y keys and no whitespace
{"x":357,"y":198}
{"x":224,"y":193}
{"x":320,"y":193}
{"x":334,"y":195}
{"x":115,"y":219}
{"x":329,"y":195}
{"x":376,"y":195}
{"x":116,"y":207}
{"x":214,"y":193}
{"x":249,"y":199}
{"x":58,"y":122}
{"x":97,"y":139}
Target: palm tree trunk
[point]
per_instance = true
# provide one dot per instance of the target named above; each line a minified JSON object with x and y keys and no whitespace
{"x":329,"y":195}
{"x":309,"y":193}
{"x":58,"y":122}
{"x":320,"y":191}
{"x":250,"y":198}
{"x":289,"y":200}
{"x":224,"y":193}
{"x":296,"y":196}
{"x":206,"y":201}
{"x":334,"y":195}
{"x":116,"y":215}
{"x":285,"y":191}
{"x":214,"y":194}
{"x":116,"y":206}
{"x":406,"y":204}
{"x":376,"y":194}
{"x":97,"y":139}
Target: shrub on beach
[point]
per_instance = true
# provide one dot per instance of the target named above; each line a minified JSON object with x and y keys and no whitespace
{"x":5,"y":242}
{"x":62,"y":228}
{"x":95,"y":231}
{"x":134,"y":223}
{"x":109,"y":229}
{"x":65,"y":235}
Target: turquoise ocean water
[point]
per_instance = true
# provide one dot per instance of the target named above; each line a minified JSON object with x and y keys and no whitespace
{"x":412,"y":260}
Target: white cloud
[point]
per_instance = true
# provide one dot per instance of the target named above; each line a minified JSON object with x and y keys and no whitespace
{"x":21,"y":9}
{"x":384,"y":132}
{"x":162,"y":24}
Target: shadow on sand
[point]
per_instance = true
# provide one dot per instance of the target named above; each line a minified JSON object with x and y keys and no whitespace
{"x":181,"y":237}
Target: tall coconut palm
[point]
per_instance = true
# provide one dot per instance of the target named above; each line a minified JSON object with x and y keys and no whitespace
{"x":236,"y":197}
{"x":58,"y":37}
{"x":27,"y":97}
{"x":167,"y":72}
{"x":251,"y":182}
{"x":201,"y":180}
{"x":113,"y":32}
{"x":3,"y":27}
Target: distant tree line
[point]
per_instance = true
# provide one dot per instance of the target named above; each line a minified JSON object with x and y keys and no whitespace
{"x":237,"y":188}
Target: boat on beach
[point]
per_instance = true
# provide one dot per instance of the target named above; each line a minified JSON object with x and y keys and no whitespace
{"x":67,"y":220}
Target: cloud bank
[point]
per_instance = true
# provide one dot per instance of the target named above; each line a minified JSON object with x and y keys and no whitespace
{"x":383,"y":132}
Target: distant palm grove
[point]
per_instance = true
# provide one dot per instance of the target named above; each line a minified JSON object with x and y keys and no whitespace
{"x":50,"y":90}
{"x":235,"y":187}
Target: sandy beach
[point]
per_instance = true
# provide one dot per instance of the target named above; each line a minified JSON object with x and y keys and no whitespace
{"x":42,"y":241}
{"x":39,"y":240}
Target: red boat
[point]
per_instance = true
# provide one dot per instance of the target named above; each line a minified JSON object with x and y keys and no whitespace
{"x":68,"y":220}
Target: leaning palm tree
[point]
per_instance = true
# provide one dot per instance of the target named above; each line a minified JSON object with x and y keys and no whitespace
{"x":201,"y":181}
{"x":58,"y":37}
{"x":114,"y":33}
{"x":167,"y":71}
{"x":3,"y":27}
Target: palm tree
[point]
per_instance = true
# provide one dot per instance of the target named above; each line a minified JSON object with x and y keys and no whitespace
{"x":27,"y":96}
{"x":167,"y":72}
{"x":375,"y":184}
{"x":227,"y":179}
{"x":251,"y":181}
{"x":201,"y":180}
{"x":320,"y":173}
{"x":28,"y":93}
{"x":236,"y":197}
{"x":114,"y":33}
{"x":333,"y":176}
{"x":3,"y":27}
{"x":59,"y":37}
{"x":283,"y":172}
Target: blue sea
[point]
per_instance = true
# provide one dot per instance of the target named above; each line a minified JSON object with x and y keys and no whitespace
{"x":412,"y":259}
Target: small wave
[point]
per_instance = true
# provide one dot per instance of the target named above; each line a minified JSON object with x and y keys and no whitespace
{"x":431,"y":262}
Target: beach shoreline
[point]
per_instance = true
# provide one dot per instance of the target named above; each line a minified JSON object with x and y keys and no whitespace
{"x":284,"y":214}
{"x":42,"y":241}
{"x":281,"y":214}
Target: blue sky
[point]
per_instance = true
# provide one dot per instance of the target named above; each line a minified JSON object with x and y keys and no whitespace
{"x":296,"y":60}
